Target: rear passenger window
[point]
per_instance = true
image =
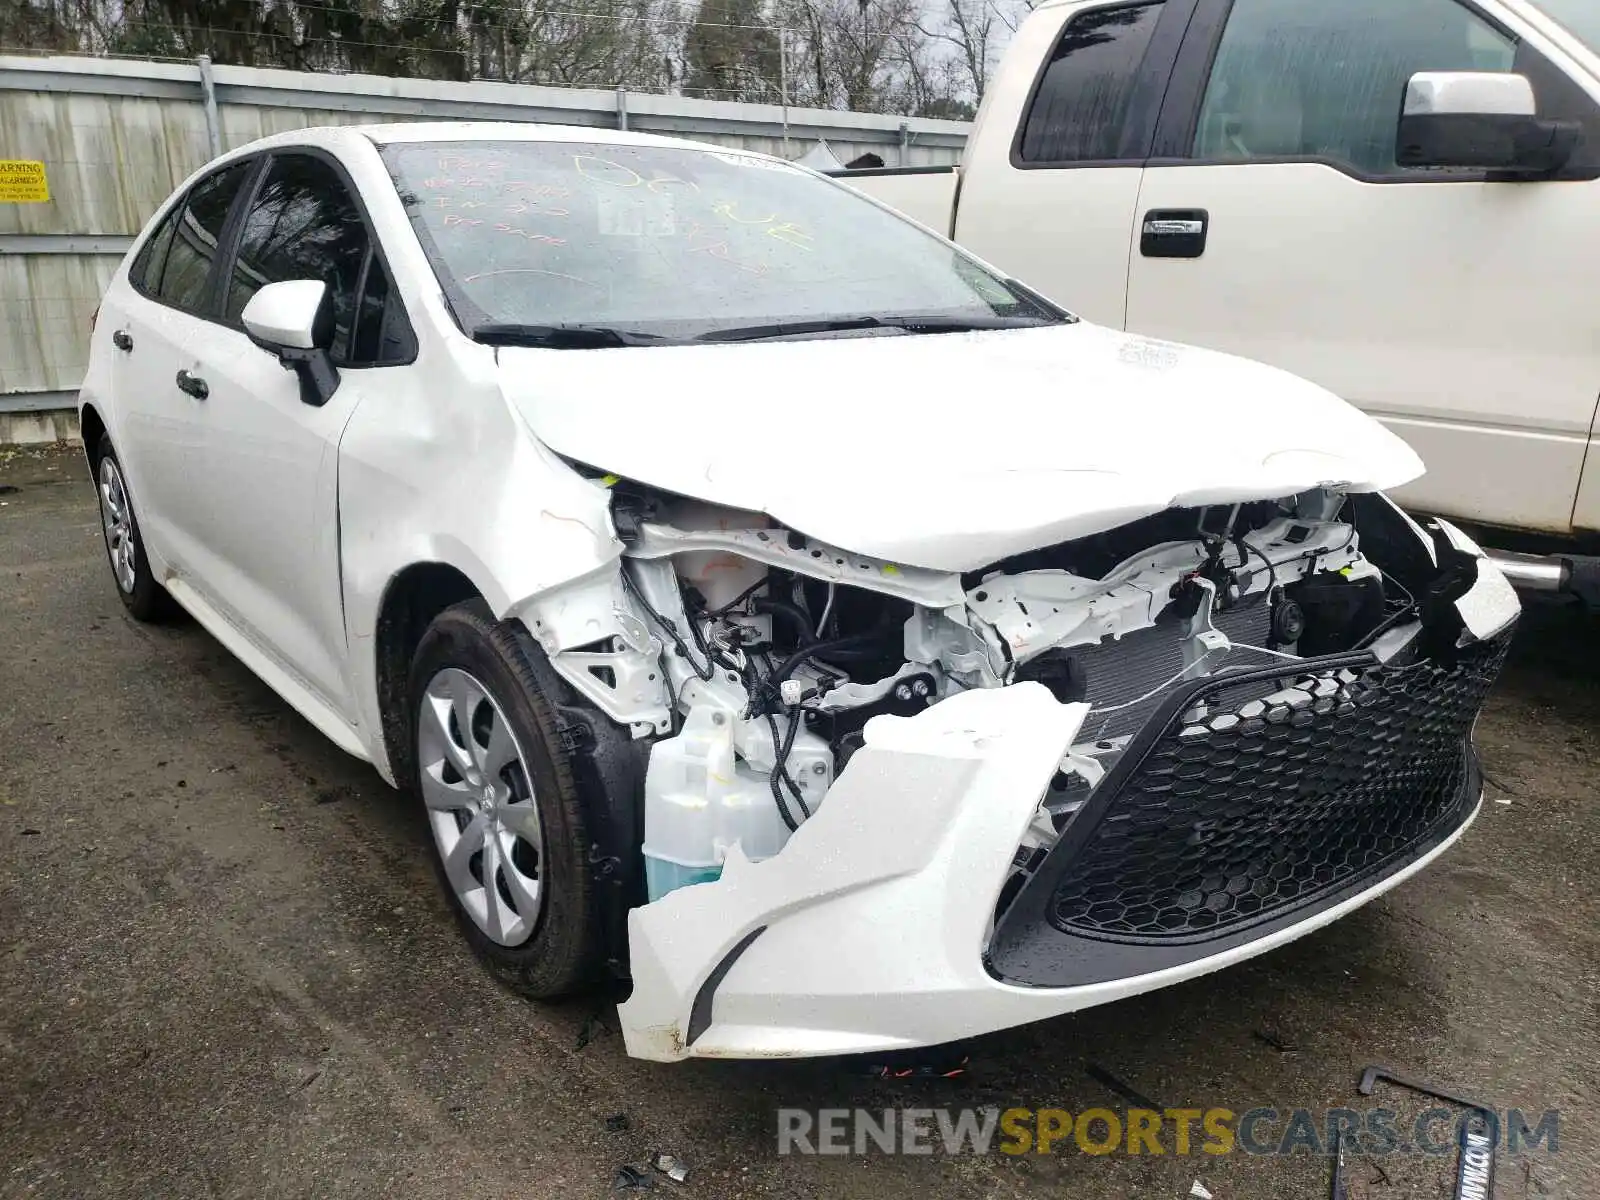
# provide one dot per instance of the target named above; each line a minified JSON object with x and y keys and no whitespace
{"x":1079,"y":109}
{"x":196,"y":237}
{"x":303,"y":224}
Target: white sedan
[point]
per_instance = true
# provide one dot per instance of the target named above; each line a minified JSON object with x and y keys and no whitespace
{"x":766,"y":600}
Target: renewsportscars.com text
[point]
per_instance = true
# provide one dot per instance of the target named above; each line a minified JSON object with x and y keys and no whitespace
{"x":1172,"y":1131}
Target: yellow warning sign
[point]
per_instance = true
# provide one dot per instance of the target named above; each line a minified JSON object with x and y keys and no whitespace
{"x":23,"y":182}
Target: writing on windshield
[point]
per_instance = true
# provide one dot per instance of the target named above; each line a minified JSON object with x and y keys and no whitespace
{"x":671,"y":239}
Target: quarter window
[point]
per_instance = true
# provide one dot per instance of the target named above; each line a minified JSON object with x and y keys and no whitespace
{"x":146,"y":270}
{"x":1303,"y":80}
{"x":303,"y":224}
{"x":185,"y":262}
{"x":1081,"y":105}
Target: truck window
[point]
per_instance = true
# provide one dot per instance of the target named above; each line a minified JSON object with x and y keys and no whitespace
{"x":1081,"y":100}
{"x":1294,"y":79}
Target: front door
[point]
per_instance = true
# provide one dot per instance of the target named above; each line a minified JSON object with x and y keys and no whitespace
{"x":268,"y":472}
{"x":1456,"y":309}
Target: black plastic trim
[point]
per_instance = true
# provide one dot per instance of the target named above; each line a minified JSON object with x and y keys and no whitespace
{"x":700,"y":1011}
{"x":1186,"y":86}
{"x":1031,"y":946}
{"x":1081,"y":961}
{"x":1024,"y":928}
{"x":1583,"y":579}
{"x":1178,"y":701}
{"x":1435,"y":175}
{"x":865,"y":172}
{"x":609,"y":768}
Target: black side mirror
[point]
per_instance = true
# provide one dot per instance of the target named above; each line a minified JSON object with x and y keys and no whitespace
{"x":319,"y":378}
{"x":1481,"y":120}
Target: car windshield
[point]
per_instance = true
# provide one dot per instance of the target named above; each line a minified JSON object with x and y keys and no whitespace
{"x":657,"y":242}
{"x":1581,"y":17}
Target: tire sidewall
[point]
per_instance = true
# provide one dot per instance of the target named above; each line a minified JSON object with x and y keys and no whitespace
{"x":149,"y":600}
{"x":560,"y":954}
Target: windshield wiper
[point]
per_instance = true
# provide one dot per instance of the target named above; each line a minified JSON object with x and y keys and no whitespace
{"x":563,"y":337}
{"x":752,"y":333}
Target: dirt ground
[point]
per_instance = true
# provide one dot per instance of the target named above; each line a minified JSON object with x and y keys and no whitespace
{"x":224,"y":969}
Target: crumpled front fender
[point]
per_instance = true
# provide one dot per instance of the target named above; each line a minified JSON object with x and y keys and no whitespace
{"x":874,"y":917}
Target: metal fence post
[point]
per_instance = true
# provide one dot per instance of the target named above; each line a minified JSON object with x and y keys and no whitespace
{"x":783,"y":86}
{"x":905,"y":144}
{"x":208,"y":88}
{"x":622,"y":108}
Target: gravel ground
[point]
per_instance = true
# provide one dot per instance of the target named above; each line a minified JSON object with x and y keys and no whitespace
{"x":224,"y":970}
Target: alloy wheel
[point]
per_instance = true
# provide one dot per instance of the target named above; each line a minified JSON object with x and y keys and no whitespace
{"x":116,"y":514}
{"x":479,"y":794}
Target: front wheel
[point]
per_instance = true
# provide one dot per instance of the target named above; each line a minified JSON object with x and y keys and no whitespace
{"x":510,"y":842}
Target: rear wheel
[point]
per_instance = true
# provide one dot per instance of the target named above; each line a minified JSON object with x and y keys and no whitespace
{"x":510,"y":842}
{"x":141,"y":595}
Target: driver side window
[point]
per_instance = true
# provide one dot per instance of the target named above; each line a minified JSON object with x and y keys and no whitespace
{"x":1298,"y":80}
{"x":303,"y":224}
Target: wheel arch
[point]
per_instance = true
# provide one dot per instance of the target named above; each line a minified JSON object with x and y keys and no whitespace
{"x":608,"y":764}
{"x":413,"y":597}
{"x":91,"y":428}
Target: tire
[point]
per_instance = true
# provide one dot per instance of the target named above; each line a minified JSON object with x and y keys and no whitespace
{"x":136,"y":584}
{"x":502,"y":800}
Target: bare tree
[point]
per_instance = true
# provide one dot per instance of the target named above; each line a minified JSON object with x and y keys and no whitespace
{"x":1012,"y":13}
{"x":868,"y":55}
{"x":731,"y":53}
{"x":853,"y":50}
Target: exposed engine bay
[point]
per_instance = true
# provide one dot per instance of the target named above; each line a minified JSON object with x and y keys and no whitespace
{"x":752,"y":657}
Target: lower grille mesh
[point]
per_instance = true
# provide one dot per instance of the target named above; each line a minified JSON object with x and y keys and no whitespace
{"x":1244,"y":807}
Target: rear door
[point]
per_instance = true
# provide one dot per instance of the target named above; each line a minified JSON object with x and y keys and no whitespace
{"x":1051,"y":179}
{"x":155,"y":320}
{"x":266,"y":477}
{"x":1455,"y":308}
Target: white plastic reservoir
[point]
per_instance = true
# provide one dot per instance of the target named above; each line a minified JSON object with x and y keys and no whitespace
{"x":701,"y":800}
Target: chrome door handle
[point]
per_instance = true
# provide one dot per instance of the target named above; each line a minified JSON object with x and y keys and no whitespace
{"x":1172,"y":228}
{"x":1174,"y":233}
{"x":193,"y":385}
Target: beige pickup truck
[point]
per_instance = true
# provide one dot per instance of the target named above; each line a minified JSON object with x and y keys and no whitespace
{"x":1396,"y":201}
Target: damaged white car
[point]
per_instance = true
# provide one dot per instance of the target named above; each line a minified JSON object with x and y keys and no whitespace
{"x":771,"y":603}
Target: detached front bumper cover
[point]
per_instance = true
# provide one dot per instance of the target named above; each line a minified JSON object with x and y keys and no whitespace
{"x":1223,"y":832}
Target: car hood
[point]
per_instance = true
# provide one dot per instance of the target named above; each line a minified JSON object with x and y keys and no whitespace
{"x":951,"y":451}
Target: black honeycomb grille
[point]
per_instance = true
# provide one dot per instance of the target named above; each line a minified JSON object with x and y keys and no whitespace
{"x":1249,"y":804}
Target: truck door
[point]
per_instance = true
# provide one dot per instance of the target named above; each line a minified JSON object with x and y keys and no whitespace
{"x":1273,"y":222}
{"x":1051,"y":178}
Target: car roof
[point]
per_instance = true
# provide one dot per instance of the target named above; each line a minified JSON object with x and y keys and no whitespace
{"x":335,"y":136}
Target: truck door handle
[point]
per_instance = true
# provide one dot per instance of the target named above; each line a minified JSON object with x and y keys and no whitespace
{"x":193,"y":385}
{"x":1174,"y":233}
{"x":123,"y":341}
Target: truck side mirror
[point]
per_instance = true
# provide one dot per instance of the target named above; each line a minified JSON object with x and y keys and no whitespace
{"x":1480,"y":120}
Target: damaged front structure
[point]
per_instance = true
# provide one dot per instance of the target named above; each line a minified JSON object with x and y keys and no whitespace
{"x":888,"y":805}
{"x":775,"y":605}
